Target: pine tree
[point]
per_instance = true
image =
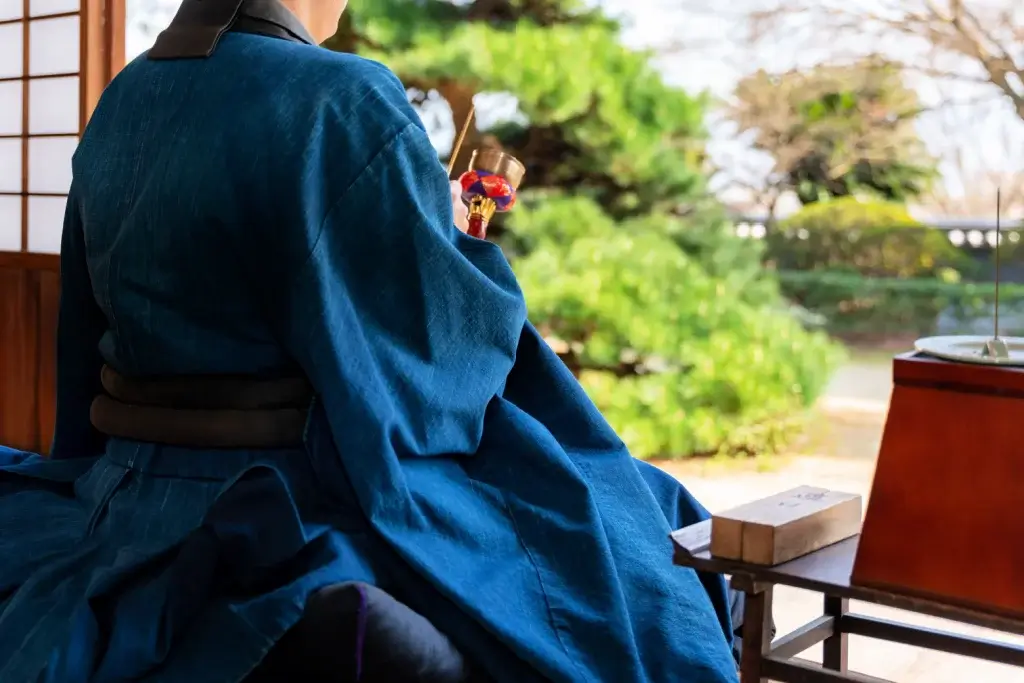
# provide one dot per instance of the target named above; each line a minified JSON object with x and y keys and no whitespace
{"x":629,"y":267}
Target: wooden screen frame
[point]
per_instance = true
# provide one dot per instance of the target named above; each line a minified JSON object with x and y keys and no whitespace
{"x":101,"y":56}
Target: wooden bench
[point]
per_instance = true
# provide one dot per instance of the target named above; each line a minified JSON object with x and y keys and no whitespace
{"x":827,"y":571}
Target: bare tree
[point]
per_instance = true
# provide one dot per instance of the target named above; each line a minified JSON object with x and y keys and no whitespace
{"x":145,"y":20}
{"x":977,"y":198}
{"x":981,"y":147}
{"x":975,"y":41}
{"x":973,"y":173}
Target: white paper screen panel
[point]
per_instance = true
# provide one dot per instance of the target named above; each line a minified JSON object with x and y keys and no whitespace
{"x":45,"y":224}
{"x":12,"y":87}
{"x":12,"y":50}
{"x":38,"y":8}
{"x":10,"y":223}
{"x":11,"y":9}
{"x":49,"y":164}
{"x":53,"y":106}
{"x":40,"y":114}
{"x":10,"y":165}
{"x":11,"y":109}
{"x":53,"y":46}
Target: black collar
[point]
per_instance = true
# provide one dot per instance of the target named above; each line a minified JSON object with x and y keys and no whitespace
{"x":199,"y":25}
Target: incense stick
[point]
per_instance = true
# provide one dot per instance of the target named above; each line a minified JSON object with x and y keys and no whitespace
{"x":999,"y":240}
{"x":459,"y":140}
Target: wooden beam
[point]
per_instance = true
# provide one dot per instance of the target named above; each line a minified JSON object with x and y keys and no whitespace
{"x":102,"y":45}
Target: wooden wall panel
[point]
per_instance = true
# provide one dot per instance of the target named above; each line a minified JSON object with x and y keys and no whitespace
{"x":20,"y":359}
{"x":47,"y":291}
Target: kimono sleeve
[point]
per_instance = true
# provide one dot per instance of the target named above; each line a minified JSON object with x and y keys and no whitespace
{"x":80,"y":326}
{"x":406,"y":327}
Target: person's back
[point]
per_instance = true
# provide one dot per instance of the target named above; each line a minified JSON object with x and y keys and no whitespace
{"x":277,"y":210}
{"x":193,"y":181}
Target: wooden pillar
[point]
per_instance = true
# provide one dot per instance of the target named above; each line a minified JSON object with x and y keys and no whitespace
{"x":103,"y":49}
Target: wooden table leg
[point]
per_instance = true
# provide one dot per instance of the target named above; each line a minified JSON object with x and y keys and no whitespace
{"x":757,"y":632}
{"x":834,"y":648}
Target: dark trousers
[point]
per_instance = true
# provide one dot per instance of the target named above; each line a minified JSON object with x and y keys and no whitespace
{"x":358,"y":633}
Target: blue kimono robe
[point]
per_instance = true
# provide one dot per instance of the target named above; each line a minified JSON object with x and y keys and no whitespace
{"x":281,"y":205}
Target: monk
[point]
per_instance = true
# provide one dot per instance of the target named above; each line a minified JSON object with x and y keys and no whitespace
{"x":305,"y":431}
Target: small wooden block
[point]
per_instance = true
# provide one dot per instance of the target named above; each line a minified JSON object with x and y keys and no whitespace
{"x":785,"y":526}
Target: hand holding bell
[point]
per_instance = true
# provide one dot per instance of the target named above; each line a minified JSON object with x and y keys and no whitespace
{"x":490,"y":184}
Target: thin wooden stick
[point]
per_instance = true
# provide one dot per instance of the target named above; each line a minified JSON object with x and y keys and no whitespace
{"x":459,"y":140}
{"x":999,"y":240}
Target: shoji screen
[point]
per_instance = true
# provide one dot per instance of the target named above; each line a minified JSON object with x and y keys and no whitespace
{"x":55,"y":58}
{"x":40,"y":119}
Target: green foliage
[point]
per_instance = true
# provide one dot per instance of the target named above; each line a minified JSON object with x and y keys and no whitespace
{"x":600,"y":119}
{"x":679,"y":360}
{"x":855,"y":307}
{"x":837,"y":131}
{"x":629,"y":267}
{"x":870,"y":238}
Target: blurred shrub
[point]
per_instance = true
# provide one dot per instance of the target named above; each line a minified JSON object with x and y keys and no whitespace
{"x":679,"y":360}
{"x":870,"y":238}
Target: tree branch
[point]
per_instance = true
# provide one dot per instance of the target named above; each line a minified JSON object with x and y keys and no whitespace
{"x":984,"y":44}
